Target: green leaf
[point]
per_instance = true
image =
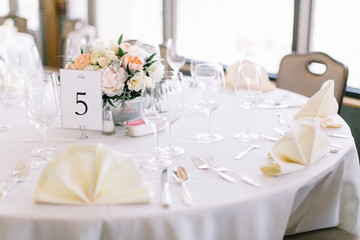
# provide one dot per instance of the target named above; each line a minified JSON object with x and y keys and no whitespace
{"x":81,"y":51}
{"x":151,"y":57}
{"x":120,"y":39}
{"x":148,"y":64}
{"x":120,"y":52}
{"x":128,"y":69}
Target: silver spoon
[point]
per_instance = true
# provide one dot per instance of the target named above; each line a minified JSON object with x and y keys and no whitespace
{"x":181,"y":176}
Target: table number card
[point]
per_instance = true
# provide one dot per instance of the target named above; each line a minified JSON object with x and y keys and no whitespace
{"x":81,"y":99}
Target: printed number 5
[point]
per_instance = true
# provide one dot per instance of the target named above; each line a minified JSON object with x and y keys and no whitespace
{"x":81,"y":102}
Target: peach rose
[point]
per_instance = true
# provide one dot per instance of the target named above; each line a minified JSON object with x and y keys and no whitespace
{"x":125,"y":47}
{"x":135,"y":63}
{"x":81,"y":61}
{"x":113,"y":80}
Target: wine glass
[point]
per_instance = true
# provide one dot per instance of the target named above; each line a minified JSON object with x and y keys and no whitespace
{"x":210,"y":84}
{"x":175,"y":61}
{"x":248,"y":88}
{"x":174,"y":91}
{"x":152,"y":110}
{"x":4,"y":82}
{"x":42,"y":104}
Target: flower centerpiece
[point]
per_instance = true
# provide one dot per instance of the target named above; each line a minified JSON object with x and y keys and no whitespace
{"x":125,"y":68}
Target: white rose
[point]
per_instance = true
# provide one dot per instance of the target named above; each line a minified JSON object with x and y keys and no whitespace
{"x":98,"y":44}
{"x":102,"y":61}
{"x":92,"y":67}
{"x":136,"y":82}
{"x":94,"y":56}
{"x":113,"y":80}
{"x":156,"y":69}
{"x":110,"y":56}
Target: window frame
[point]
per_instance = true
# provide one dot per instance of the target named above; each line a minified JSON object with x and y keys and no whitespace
{"x":302,"y":30}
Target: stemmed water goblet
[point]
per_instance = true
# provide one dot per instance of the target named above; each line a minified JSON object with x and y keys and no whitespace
{"x":248,"y":88}
{"x":175,"y":61}
{"x":42,"y":103}
{"x":4,"y":82}
{"x":153,"y":111}
{"x":174,"y":91}
{"x":208,"y":92}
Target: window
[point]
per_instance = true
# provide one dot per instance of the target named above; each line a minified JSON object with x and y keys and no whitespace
{"x":335,"y":31}
{"x":29,"y":9}
{"x":226,"y":31}
{"x":5,"y":8}
{"x":136,"y":19}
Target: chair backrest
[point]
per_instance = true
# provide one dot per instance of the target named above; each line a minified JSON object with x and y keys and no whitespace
{"x":296,"y":74}
{"x":73,"y":40}
{"x":19,"y":22}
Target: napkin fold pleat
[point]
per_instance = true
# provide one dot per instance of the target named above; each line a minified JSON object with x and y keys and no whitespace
{"x":323,"y":105}
{"x":92,"y":174}
{"x":301,"y":147}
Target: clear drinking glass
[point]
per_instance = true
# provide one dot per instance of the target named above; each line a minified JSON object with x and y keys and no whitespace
{"x":248,"y":88}
{"x":152,"y":107}
{"x":175,"y":61}
{"x":4,"y":82}
{"x":174,"y":92}
{"x":42,"y":101}
{"x":208,"y":92}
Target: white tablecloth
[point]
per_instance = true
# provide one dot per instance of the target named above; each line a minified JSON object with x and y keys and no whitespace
{"x":325,"y":194}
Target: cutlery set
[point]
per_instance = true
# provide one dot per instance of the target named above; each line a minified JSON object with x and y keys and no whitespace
{"x":180,"y":176}
{"x":222,"y":171}
{"x":20,"y":171}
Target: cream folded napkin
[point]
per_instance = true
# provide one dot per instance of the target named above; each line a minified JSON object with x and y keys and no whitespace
{"x":92,"y":174}
{"x":323,"y":105}
{"x":301,"y":147}
{"x":231,"y":72}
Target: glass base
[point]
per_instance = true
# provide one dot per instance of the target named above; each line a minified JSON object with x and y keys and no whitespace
{"x":4,"y":128}
{"x":156,"y":163}
{"x":170,"y":151}
{"x":245,"y":136}
{"x":50,"y":151}
{"x":208,"y":138}
{"x":39,"y":164}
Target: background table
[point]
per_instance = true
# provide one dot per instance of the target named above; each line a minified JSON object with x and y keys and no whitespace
{"x":325,"y":194}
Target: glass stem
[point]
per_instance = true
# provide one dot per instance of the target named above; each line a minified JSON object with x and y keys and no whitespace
{"x":209,"y":124}
{"x":43,"y":138}
{"x":247,"y":130}
{"x":156,"y":153}
{"x":169,"y":134}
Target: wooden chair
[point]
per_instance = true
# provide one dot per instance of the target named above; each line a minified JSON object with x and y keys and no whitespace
{"x":19,"y":22}
{"x":298,"y":73}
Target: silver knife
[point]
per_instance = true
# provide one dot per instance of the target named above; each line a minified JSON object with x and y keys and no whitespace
{"x":165,"y":195}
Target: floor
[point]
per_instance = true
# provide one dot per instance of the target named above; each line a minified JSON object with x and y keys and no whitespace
{"x":324,"y":234}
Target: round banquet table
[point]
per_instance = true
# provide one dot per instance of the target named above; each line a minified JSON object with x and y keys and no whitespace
{"x":325,"y":194}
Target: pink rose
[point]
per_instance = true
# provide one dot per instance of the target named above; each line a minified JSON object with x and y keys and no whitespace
{"x":135,"y":63}
{"x":81,"y":61}
{"x":113,"y":80}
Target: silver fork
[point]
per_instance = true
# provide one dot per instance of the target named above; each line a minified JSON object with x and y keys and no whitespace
{"x":19,"y":176}
{"x":256,"y":144}
{"x":19,"y":165}
{"x":214,"y":164}
{"x":201,"y":165}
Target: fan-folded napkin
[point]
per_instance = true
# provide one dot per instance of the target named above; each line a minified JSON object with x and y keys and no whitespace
{"x":323,"y":105}
{"x":92,"y":174}
{"x":231,"y":73}
{"x":301,"y":147}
